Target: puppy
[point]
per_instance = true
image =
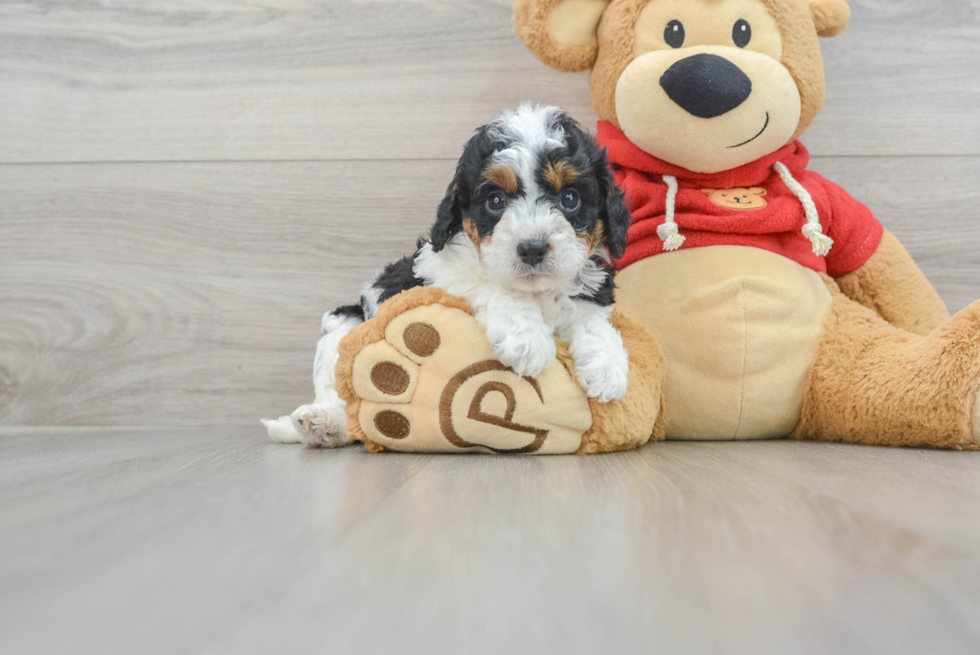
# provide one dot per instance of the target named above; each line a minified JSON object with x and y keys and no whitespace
{"x":526,"y":233}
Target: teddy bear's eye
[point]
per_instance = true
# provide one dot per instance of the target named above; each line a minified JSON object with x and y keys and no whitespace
{"x":742,"y":33}
{"x":674,"y":34}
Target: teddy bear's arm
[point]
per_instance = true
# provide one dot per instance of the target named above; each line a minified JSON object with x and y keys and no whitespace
{"x":892,"y":285}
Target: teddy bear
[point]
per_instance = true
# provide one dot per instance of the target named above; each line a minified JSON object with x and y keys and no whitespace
{"x":757,"y":300}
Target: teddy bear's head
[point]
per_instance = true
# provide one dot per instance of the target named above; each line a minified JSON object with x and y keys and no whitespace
{"x":707,"y":85}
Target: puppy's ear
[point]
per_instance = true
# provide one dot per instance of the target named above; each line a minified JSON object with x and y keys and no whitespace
{"x":561,"y":33}
{"x":614,"y":215}
{"x":449,"y":217}
{"x":830,"y":16}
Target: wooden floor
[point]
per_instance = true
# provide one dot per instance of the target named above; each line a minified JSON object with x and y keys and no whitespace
{"x":214,"y":541}
{"x":185,"y":187}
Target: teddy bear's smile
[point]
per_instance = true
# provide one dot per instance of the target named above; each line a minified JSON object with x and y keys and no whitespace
{"x":745,"y":143}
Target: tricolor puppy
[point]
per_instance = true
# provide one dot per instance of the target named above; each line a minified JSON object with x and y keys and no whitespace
{"x":525,"y":234}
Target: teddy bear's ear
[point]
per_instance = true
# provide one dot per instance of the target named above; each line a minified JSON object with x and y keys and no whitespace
{"x":830,"y":16}
{"x":707,"y":192}
{"x":758,"y":190}
{"x":561,"y":33}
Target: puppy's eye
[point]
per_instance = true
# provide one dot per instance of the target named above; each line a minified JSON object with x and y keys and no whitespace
{"x":674,"y":34}
{"x":569,"y":201}
{"x":496,"y":202}
{"x":742,"y":33}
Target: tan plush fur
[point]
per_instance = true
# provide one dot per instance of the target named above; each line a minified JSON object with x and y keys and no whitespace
{"x":893,"y":286}
{"x":873,"y":383}
{"x":615,"y":53}
{"x":801,"y":55}
{"x":830,"y":17}
{"x":531,"y":25}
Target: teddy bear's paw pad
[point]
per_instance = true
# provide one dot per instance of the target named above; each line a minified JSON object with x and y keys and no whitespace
{"x":382,"y":374}
{"x":433,"y":385}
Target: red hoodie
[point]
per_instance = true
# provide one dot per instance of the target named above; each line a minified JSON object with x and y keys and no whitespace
{"x":746,"y":206}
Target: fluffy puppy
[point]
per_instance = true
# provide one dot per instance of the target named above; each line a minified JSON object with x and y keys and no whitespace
{"x":525,"y":233}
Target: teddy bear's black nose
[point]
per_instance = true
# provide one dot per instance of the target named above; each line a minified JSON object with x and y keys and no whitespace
{"x":706,"y":85}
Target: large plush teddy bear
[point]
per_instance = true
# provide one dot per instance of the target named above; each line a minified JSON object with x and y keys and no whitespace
{"x":756,"y":299}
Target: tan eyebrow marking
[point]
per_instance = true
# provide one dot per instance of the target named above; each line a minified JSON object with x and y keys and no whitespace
{"x":559,"y":175}
{"x":503,"y":177}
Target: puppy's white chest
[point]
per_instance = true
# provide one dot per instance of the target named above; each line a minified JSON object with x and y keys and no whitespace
{"x":556,"y":309}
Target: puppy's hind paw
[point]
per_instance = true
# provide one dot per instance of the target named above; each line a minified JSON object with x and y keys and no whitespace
{"x":321,"y":426}
{"x":282,"y":430}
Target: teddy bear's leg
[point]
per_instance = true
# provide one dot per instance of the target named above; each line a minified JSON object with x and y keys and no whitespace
{"x":421,"y":376}
{"x":873,"y":383}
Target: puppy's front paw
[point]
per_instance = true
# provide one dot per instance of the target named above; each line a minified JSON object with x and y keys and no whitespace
{"x":601,"y":366}
{"x":322,"y":425}
{"x":526,"y":347}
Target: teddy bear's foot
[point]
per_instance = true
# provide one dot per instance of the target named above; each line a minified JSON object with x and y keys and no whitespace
{"x":873,"y":383}
{"x":958,"y":345}
{"x":427,"y":380}
{"x":422,"y":376}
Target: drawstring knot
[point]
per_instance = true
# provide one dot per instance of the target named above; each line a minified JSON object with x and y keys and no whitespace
{"x":812,"y":230}
{"x":668,"y":232}
{"x":821,"y":242}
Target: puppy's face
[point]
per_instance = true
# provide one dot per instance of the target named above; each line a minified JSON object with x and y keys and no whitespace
{"x":536,"y":198}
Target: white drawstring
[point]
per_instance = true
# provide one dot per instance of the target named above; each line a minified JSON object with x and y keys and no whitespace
{"x":668,"y":230}
{"x":812,"y":230}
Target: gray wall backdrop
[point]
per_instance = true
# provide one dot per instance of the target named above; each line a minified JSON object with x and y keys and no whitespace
{"x":185,"y":186}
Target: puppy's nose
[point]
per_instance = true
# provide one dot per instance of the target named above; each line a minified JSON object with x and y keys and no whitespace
{"x":532,"y":253}
{"x":706,"y":85}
